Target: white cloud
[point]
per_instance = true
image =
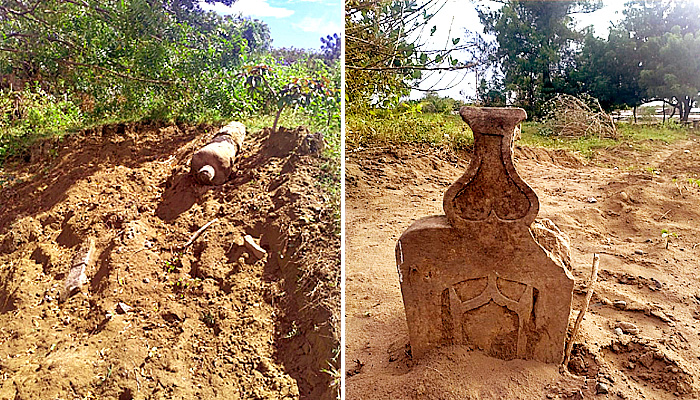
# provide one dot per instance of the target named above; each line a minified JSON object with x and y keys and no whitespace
{"x":322,"y":26}
{"x":252,"y":8}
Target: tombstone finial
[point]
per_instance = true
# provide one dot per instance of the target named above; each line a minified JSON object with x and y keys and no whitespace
{"x":491,"y":189}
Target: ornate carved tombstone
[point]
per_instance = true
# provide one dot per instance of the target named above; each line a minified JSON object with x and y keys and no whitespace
{"x":476,"y":276}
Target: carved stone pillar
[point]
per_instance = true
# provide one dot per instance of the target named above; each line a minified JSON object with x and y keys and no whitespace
{"x":476,"y":275}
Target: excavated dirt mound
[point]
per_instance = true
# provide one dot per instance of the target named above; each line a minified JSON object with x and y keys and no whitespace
{"x":156,"y":320}
{"x":616,"y":205}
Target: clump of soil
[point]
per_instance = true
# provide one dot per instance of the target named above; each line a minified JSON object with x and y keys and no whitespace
{"x":616,"y":205}
{"x":156,"y":320}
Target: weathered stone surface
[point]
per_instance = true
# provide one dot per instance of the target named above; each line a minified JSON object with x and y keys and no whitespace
{"x":76,"y":276}
{"x":213,"y":163}
{"x":476,"y":276}
{"x":553,"y":240}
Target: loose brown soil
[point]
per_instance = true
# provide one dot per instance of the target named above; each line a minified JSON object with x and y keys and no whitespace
{"x":388,"y":188}
{"x":210,"y":321}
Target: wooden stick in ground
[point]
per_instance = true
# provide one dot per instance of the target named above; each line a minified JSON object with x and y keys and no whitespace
{"x":199,"y":232}
{"x":591,"y":284}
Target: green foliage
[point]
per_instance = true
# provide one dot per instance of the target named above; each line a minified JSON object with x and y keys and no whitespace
{"x":534,"y":46}
{"x":30,"y":114}
{"x":608,"y":70}
{"x":490,"y":93}
{"x":433,"y":103}
{"x":319,"y":94}
{"x":666,"y":235}
{"x":386,"y":53}
{"x":130,"y":59}
{"x":140,"y":59}
{"x":387,"y":127}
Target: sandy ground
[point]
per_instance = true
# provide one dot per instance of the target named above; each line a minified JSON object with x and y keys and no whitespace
{"x":213,"y":320}
{"x":638,"y":192}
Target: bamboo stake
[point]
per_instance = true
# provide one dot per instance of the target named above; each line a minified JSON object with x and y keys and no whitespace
{"x":589,"y":294}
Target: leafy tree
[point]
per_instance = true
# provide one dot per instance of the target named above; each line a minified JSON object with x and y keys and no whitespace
{"x":608,"y":70}
{"x":676,"y":75}
{"x":117,"y":57}
{"x":386,"y":51}
{"x":434,"y":103}
{"x":666,"y":35}
{"x":491,"y":94}
{"x":535,"y":44}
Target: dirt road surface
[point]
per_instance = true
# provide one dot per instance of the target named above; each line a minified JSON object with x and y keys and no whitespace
{"x":638,"y":193}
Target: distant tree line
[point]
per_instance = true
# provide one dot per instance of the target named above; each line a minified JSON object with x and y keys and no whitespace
{"x":651,"y":54}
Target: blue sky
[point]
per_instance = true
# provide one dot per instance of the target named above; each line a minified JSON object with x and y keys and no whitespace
{"x":293,"y":23}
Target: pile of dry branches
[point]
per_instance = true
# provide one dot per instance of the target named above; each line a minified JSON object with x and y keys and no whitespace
{"x":570,"y":116}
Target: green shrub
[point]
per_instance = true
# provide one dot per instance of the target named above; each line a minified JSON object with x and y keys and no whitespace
{"x":33,"y":114}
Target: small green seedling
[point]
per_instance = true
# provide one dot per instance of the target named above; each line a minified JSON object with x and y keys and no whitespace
{"x":665,"y":234}
{"x":208,"y":319}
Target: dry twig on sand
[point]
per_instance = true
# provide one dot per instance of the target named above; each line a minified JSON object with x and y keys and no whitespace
{"x":589,"y":294}
{"x":196,"y":234}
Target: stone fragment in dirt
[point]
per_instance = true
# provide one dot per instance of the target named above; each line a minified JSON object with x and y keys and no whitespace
{"x":591,"y":200}
{"x":620,"y":304}
{"x":638,"y":251}
{"x":313,"y":143}
{"x":624,"y":196}
{"x":213,"y":163}
{"x":553,"y":240}
{"x":476,"y":276}
{"x":647,"y":359}
{"x":577,"y":365}
{"x":356,"y":369}
{"x":76,"y":276}
{"x":628,"y":327}
{"x":266,"y":367}
{"x":602,"y":388}
{"x":250,"y":244}
{"x":618,"y":331}
{"x":122,"y":308}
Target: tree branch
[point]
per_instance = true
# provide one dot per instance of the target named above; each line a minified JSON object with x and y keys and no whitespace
{"x":418,"y":67}
{"x":109,"y":71}
{"x":21,"y":13}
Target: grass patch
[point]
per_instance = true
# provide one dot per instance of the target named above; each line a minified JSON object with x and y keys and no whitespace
{"x":385,"y":127}
{"x":532,"y":136}
{"x":640,"y":137}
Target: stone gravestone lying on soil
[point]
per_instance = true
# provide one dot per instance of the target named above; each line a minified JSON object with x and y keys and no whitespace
{"x":213,"y":163}
{"x":476,"y":276}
